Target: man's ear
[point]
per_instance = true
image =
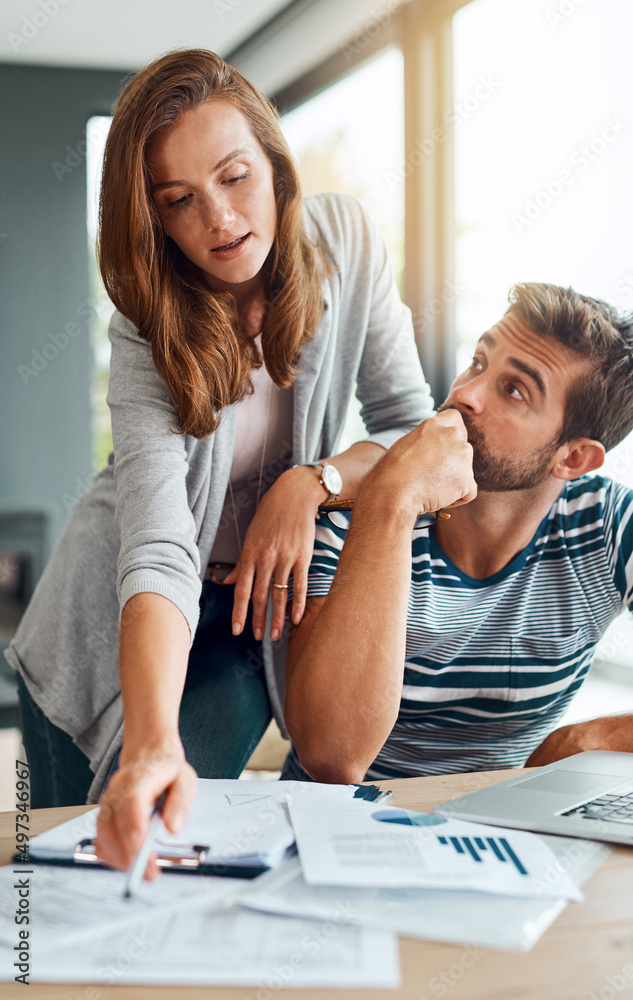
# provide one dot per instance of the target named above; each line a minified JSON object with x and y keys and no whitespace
{"x":577,"y":458}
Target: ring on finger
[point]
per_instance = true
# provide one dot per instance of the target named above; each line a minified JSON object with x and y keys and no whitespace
{"x":280,"y":586}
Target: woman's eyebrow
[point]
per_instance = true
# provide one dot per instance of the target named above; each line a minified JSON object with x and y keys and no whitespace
{"x":221,"y":163}
{"x":230,"y":156}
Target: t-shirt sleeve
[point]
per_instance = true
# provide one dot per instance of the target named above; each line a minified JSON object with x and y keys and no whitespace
{"x":328,"y":543}
{"x":619,"y":530}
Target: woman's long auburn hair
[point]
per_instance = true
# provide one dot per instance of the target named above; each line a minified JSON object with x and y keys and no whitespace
{"x":198,"y":344}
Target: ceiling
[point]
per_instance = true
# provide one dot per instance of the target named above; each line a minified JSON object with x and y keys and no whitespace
{"x":125,"y":34}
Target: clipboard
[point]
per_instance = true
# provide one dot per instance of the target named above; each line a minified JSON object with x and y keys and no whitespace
{"x":188,"y":860}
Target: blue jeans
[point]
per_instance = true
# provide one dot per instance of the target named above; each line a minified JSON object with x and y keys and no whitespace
{"x":224,"y":711}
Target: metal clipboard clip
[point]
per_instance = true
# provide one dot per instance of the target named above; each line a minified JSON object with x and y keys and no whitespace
{"x":187,"y":858}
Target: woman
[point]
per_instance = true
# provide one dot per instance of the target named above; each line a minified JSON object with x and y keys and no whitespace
{"x":245,"y":318}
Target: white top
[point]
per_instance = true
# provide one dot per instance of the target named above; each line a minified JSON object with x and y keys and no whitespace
{"x":264,"y":425}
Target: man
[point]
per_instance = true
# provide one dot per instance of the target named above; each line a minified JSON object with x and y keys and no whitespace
{"x":460,"y":650}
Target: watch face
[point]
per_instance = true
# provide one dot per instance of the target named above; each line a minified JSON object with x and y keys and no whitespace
{"x":332,"y":479}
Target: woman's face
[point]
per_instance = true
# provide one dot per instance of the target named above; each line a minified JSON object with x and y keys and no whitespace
{"x":213,"y":187}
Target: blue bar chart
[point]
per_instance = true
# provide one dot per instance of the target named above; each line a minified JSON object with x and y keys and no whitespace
{"x":477,"y":846}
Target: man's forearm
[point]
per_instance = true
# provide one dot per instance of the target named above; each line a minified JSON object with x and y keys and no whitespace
{"x":618,"y":732}
{"x":343,"y":693}
{"x":345,"y":664}
{"x":612,"y":732}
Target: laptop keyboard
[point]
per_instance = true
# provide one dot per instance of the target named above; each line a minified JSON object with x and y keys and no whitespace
{"x":613,"y":807}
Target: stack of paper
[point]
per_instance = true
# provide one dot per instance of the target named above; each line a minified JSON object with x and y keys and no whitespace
{"x":184,"y":929}
{"x":424,"y":876}
{"x":358,"y":844}
{"x":329,"y":917}
{"x":462,"y":917}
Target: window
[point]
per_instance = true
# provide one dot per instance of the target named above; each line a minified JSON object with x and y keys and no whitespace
{"x":350,"y":138}
{"x":543,"y":160}
{"x":102,"y":308}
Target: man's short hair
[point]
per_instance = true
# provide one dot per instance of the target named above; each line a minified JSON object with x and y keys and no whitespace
{"x":600,"y":402}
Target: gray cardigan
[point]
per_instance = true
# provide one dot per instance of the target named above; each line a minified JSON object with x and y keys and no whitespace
{"x":149,"y":520}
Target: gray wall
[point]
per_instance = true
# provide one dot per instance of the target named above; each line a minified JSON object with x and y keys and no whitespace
{"x":45,"y":434}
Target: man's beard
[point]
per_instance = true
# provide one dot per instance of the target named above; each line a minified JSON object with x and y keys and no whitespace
{"x":502,"y":475}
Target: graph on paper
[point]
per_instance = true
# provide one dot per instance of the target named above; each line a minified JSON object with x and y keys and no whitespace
{"x":478,"y":849}
{"x":478,"y":846}
{"x":352,"y":843}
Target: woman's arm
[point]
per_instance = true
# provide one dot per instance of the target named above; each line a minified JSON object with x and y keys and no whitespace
{"x":158,"y":551}
{"x":158,"y":586}
{"x":153,"y":655}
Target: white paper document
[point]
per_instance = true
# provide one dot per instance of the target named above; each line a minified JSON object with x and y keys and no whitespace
{"x":82,"y":904}
{"x":239,"y":823}
{"x":232,"y":948}
{"x":356,"y":843}
{"x":462,"y":917}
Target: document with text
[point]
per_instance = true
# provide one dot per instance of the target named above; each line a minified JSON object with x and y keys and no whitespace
{"x":235,"y":947}
{"x":355,"y":843}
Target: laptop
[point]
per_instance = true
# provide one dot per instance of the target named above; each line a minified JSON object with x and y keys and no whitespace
{"x":588,"y":795}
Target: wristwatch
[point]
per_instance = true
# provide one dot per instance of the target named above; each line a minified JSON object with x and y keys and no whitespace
{"x":330,"y":478}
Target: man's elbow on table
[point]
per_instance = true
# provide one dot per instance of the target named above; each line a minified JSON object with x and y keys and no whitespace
{"x":321,"y":755}
{"x":322,"y":752}
{"x":332,"y":769}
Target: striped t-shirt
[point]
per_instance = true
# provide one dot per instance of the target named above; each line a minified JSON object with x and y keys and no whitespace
{"x":492,"y":664}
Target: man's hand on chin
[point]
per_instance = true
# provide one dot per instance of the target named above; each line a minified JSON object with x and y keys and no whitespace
{"x":609,"y":733}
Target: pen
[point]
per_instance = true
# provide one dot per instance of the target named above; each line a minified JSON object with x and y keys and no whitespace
{"x":384,"y":796}
{"x":138,"y":868}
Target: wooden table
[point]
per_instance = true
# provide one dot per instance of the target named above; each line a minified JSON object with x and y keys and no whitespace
{"x":585,"y":955}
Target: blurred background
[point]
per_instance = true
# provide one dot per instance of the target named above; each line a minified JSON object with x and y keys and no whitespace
{"x":491,"y":140}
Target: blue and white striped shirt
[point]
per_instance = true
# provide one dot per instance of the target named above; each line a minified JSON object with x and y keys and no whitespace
{"x":491,"y":665}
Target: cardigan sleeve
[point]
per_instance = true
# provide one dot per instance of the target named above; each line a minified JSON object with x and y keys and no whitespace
{"x":393,"y":393}
{"x":390,"y":384}
{"x":156,"y":527}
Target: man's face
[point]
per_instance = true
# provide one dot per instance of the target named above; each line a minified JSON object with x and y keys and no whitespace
{"x":512,"y":401}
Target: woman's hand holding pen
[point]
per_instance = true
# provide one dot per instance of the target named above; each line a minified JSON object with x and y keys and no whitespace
{"x":127,"y":802}
{"x":153,"y":651}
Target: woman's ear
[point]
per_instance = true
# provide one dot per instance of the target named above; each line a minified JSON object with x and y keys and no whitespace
{"x":578,"y":458}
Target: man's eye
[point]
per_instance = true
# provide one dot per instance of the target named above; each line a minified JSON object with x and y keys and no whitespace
{"x":179,"y":202}
{"x":475,"y":363}
{"x":515,"y":392}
